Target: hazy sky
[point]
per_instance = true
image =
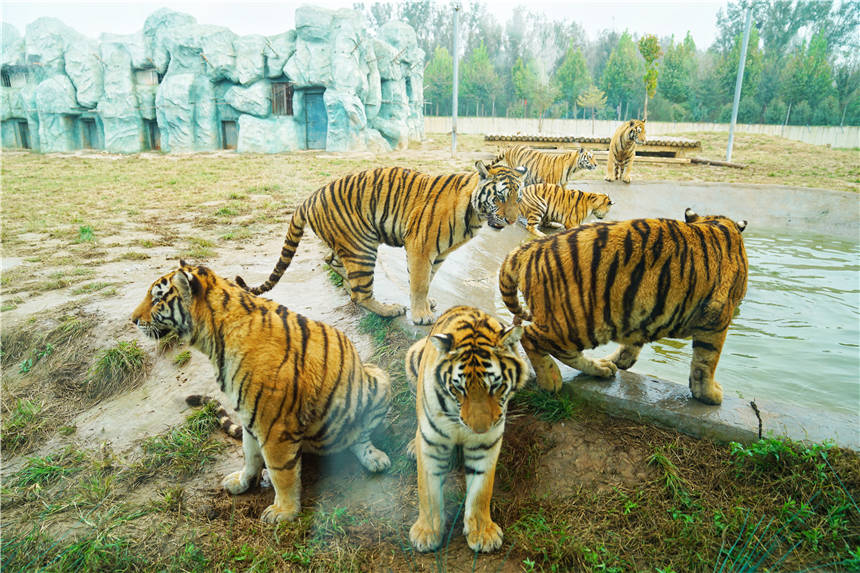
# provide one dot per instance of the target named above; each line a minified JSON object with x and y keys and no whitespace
{"x":640,"y":17}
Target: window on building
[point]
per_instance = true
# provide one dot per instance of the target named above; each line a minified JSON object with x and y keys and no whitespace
{"x":282,"y":98}
{"x":5,"y":79}
{"x":146,"y":77}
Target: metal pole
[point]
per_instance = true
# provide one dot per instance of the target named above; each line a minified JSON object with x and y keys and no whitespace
{"x":455,"y":81}
{"x":739,"y":82}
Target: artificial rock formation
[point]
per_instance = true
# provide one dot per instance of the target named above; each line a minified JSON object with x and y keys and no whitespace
{"x":180,"y":86}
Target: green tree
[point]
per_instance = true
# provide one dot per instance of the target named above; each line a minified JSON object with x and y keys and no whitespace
{"x":525,"y":78}
{"x":592,"y":98}
{"x":438,"y":77}
{"x":649,"y":48}
{"x":679,"y":71}
{"x":727,"y":70}
{"x":807,"y":77}
{"x":572,"y":76}
{"x":622,"y":77}
{"x":478,"y":79}
{"x":846,"y":78}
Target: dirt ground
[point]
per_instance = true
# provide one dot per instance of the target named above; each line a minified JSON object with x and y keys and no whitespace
{"x":568,"y":468}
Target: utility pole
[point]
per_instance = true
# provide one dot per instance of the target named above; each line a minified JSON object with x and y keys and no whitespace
{"x":455,"y":81}
{"x":739,"y":82}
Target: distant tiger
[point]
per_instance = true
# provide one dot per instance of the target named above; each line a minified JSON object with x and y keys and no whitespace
{"x":430,"y":215}
{"x":464,"y":372}
{"x":622,"y":149}
{"x":297,"y":384}
{"x":546,"y":167}
{"x":631,"y":282}
{"x":546,"y":203}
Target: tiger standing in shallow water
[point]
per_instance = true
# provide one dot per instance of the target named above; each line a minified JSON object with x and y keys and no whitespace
{"x":465,"y":372}
{"x":631,"y":282}
{"x":622,"y":149}
{"x":430,"y":215}
{"x":546,"y":203}
{"x":297,"y":384}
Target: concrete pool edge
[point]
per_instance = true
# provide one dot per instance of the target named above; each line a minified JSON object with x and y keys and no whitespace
{"x":670,"y":405}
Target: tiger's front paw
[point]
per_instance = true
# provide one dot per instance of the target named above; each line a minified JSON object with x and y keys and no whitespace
{"x":423,"y":315}
{"x":482,"y":535}
{"x":626,"y":179}
{"x":424,"y":538}
{"x":601,"y":367}
{"x":372,"y":458}
{"x":237,"y":482}
{"x":275,"y":513}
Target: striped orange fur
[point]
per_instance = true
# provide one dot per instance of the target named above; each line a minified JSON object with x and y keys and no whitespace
{"x":546,"y":203}
{"x":547,"y":167}
{"x":622,"y":149}
{"x":631,"y":282}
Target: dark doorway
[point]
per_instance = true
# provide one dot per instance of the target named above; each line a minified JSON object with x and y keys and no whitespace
{"x":152,"y":135}
{"x":316,"y":119}
{"x":89,"y":135}
{"x":23,"y":133}
{"x":229,"y":135}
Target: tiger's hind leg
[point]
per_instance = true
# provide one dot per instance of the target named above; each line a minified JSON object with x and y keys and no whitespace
{"x":334,"y":264}
{"x":601,"y":367}
{"x":378,"y":399}
{"x":547,"y":374}
{"x":625,"y":355}
{"x":706,"y":354}
{"x":359,"y":269}
{"x":433,"y":465}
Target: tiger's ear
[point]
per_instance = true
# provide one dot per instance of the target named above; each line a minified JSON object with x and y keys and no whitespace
{"x":690,"y":216}
{"x":181,"y":281}
{"x":442,"y":342}
{"x":482,"y":169}
{"x":510,"y":336}
{"x":632,"y":122}
{"x":742,"y":224}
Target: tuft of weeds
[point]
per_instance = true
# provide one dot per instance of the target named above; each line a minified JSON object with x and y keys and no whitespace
{"x":168,"y":342}
{"x":671,"y":479}
{"x":333,"y":276}
{"x":42,"y":471}
{"x":183,"y":450}
{"x":133,"y":256}
{"x":118,"y":368}
{"x":85,"y":234}
{"x":378,"y":327}
{"x":91,"y":287}
{"x":198,"y":248}
{"x":182,"y":358}
{"x":547,"y":406}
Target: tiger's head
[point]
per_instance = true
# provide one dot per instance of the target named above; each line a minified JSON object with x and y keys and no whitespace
{"x":498,"y":190}
{"x":479,"y":367}
{"x":599,"y":203}
{"x":586,"y":159}
{"x":636,"y":131}
{"x":691,"y":216}
{"x":166,"y":308}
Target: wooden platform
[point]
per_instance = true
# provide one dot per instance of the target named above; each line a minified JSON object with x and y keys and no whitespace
{"x":659,"y":146}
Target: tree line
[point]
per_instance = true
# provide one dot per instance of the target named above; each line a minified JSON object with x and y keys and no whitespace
{"x":802,"y":65}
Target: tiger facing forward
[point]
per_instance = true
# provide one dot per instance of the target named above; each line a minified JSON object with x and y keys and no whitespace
{"x":464,"y":372}
{"x":631,"y":282}
{"x":430,"y":215}
{"x":546,"y":203}
{"x":543,"y":167}
{"x":297,"y":384}
{"x":622,"y":149}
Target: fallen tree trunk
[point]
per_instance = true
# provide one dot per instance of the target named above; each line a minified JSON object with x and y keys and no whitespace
{"x":715,"y":162}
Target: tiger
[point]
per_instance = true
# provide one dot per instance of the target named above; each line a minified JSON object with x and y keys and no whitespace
{"x":543,"y":167}
{"x":631,"y":282}
{"x":464,"y":373}
{"x":296,"y":384}
{"x":622,"y":149}
{"x":429,"y":215}
{"x":549,"y":203}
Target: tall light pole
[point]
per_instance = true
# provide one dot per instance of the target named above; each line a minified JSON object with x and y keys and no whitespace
{"x":455,"y":81}
{"x":739,"y":82}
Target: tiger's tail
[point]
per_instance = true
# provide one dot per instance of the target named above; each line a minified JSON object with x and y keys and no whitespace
{"x":499,"y":158}
{"x":229,"y":427}
{"x":288,"y":251}
{"x":509,"y":279}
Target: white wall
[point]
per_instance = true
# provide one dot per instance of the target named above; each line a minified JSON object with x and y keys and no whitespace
{"x":817,"y":135}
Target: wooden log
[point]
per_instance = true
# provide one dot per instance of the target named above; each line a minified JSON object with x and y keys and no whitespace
{"x":704,"y":161}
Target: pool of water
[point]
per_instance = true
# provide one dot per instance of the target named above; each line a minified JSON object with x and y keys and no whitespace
{"x":796,"y":337}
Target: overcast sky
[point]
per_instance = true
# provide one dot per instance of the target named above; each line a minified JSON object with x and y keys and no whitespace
{"x":640,"y":17}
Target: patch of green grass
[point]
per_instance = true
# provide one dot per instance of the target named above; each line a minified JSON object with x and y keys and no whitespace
{"x":376,"y":326}
{"x":226,"y":211}
{"x":20,"y":423}
{"x":237,"y":234}
{"x":548,"y":406}
{"x":182,"y":358}
{"x":85,"y":234}
{"x":199,"y":248}
{"x":147,"y":244}
{"x":183,"y":450}
{"x":91,"y":287}
{"x":43,"y":471}
{"x":671,"y":480}
{"x":333,"y":276}
{"x":116,"y":369}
